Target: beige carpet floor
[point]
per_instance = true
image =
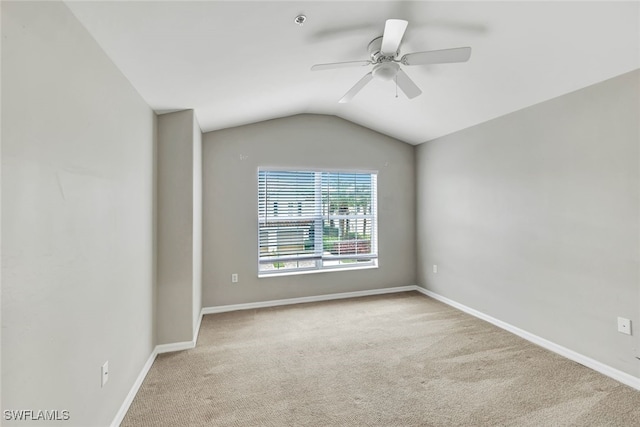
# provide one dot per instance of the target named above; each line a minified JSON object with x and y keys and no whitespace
{"x":392,"y":360}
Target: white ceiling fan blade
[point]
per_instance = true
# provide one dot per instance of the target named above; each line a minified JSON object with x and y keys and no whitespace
{"x":334,"y":65}
{"x":356,"y":88}
{"x":407,"y":85}
{"x":459,"y":54}
{"x":393,"y":31}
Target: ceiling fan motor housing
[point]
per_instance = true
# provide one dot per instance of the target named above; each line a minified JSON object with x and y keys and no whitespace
{"x":375,"y":51}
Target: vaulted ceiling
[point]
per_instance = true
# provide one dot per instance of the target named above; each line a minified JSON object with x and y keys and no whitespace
{"x":242,"y":62}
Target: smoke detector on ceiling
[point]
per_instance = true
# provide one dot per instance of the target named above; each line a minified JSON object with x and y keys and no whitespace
{"x":300,"y":19}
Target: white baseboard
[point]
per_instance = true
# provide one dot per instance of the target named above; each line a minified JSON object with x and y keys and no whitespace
{"x":159,"y":349}
{"x":301,"y":300}
{"x":175,"y":346}
{"x":607,"y":370}
{"x":197,"y":330}
{"x":134,"y":390}
{"x":184,"y":345}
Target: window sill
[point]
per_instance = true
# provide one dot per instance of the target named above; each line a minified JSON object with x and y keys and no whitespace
{"x":324,"y":270}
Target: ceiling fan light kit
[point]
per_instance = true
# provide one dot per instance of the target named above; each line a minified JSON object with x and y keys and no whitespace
{"x":384,"y":51}
{"x":385,"y":70}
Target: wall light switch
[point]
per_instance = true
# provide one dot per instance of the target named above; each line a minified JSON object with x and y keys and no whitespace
{"x":234,"y":278}
{"x":435,"y":268}
{"x":624,"y":325}
{"x":105,"y":373}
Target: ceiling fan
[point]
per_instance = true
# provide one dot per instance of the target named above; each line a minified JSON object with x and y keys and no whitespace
{"x":384,"y":51}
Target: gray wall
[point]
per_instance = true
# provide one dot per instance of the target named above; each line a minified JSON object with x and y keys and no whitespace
{"x":533,"y":218}
{"x":77,"y":219}
{"x":231,"y":159}
{"x":197,"y":223}
{"x":179,"y":226}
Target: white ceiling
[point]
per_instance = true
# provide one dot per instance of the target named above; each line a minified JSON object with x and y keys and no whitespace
{"x":241,"y":62}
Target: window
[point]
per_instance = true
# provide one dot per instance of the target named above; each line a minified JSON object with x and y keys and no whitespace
{"x":316,"y":220}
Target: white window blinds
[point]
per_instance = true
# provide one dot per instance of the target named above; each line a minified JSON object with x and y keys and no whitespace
{"x":311,"y":220}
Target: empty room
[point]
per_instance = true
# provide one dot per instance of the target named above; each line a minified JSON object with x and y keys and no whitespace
{"x":320,"y":213}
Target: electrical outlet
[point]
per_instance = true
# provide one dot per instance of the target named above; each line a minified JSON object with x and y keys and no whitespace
{"x":234,"y":278}
{"x":624,"y":326}
{"x":105,"y":373}
{"x":435,"y":268}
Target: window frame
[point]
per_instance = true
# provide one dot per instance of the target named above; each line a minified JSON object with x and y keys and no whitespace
{"x":318,"y":237}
